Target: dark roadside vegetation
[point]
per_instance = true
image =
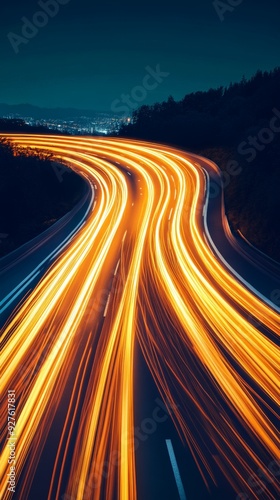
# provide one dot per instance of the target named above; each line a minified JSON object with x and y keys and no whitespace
{"x":33,"y":194}
{"x":240,"y":123}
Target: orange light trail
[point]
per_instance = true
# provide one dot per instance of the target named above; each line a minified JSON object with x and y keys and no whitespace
{"x":69,"y":349}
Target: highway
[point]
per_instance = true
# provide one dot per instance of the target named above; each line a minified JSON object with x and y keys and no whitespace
{"x":21,"y":269}
{"x":145,"y":359}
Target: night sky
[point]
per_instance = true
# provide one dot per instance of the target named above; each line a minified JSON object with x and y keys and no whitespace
{"x":90,"y":53}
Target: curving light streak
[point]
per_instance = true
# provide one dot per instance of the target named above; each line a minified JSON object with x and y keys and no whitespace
{"x":140,"y":266}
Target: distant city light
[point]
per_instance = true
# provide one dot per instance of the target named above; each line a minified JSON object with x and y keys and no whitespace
{"x":101,"y":123}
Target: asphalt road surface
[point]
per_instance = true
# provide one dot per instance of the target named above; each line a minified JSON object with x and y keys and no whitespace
{"x":139,"y":342}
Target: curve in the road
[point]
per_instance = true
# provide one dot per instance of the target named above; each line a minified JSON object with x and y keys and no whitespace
{"x":139,"y":270}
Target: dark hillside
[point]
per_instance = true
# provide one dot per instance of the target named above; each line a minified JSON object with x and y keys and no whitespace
{"x":241,"y":123}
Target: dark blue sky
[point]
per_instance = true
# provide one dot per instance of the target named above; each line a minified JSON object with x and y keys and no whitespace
{"x":91,"y":53}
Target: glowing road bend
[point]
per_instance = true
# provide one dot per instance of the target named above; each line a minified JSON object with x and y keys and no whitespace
{"x":139,"y":270}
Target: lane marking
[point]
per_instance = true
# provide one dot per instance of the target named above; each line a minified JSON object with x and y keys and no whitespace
{"x":29,"y":277}
{"x":117,"y":267}
{"x":176,"y":472}
{"x":170,"y":214}
{"x":106,"y":307}
{"x":214,"y":248}
{"x":19,"y":291}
